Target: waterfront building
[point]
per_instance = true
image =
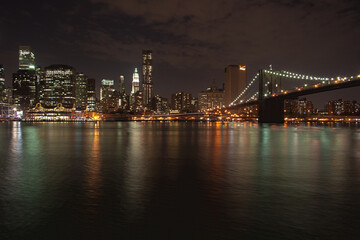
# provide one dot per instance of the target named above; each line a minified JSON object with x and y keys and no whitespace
{"x":40,"y":85}
{"x":181,"y":102}
{"x":81,"y":91}
{"x":298,"y":108}
{"x":195,"y":104}
{"x":26,"y":58}
{"x":124,"y":102}
{"x":110,"y":103}
{"x":122,"y":85}
{"x":342,"y":107}
{"x":107,"y":89}
{"x":211,"y":98}
{"x":91,"y":94}
{"x":235,"y":82}
{"x":148,"y":86}
{"x":138,"y":101}
{"x":159,"y":104}
{"x":59,"y":86}
{"x":24,"y":88}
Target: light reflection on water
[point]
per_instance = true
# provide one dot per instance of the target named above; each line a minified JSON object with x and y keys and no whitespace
{"x":176,"y":180}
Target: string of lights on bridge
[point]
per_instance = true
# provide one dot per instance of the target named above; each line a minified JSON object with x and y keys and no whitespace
{"x":287,"y":75}
{"x":254,"y":96}
{"x":304,"y":77}
{"x":246,"y":88}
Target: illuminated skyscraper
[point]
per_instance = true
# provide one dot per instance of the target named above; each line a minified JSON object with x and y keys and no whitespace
{"x":181,"y":102}
{"x":26,"y":58}
{"x":59,"y":86}
{"x":136,"y":95}
{"x":135,"y":82}
{"x":91,"y":94}
{"x":107,"y":89}
{"x":81,"y":91}
{"x":24,"y":88}
{"x":2,"y":79}
{"x":122,"y":85}
{"x":148,"y":86}
{"x":235,"y":82}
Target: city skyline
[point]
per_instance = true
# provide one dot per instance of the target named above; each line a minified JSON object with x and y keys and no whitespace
{"x":187,"y":58}
{"x":28,"y":63}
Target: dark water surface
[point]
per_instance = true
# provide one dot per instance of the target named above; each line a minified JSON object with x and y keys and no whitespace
{"x":135,"y":180}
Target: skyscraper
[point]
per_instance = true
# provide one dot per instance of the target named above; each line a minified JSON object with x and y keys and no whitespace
{"x":148,"y":86}
{"x":107,"y":89}
{"x":24,"y":88}
{"x":91,"y":94}
{"x":122,"y":85}
{"x":81,"y":91}
{"x":235,"y":82}
{"x":59,"y":86}
{"x":26,"y":58}
{"x":135,"y":82}
{"x":181,"y":101}
{"x":135,"y":94}
{"x":2,"y":79}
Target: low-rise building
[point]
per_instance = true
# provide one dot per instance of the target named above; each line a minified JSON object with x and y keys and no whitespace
{"x":211,"y":98}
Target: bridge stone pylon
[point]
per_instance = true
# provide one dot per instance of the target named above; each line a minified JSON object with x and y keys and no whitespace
{"x":270,"y":110}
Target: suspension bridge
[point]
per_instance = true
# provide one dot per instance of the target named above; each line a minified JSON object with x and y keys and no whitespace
{"x":271,"y":93}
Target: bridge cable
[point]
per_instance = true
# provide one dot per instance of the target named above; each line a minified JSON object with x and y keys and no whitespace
{"x":245,"y":89}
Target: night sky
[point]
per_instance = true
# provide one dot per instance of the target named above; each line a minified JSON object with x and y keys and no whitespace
{"x":192,"y":41}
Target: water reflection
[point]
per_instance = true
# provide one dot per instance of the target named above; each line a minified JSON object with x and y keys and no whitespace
{"x":92,"y":168}
{"x":191,"y":180}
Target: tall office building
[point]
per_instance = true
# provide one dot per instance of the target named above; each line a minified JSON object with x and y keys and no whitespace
{"x":2,"y":79}
{"x":135,"y":87}
{"x":59,"y":86}
{"x":40,"y":85}
{"x":107,"y":89}
{"x":26,"y":58}
{"x":122,"y":85}
{"x":148,"y":86}
{"x":24,"y":88}
{"x":181,"y":102}
{"x":136,"y":94}
{"x":235,"y":82}
{"x":81,"y":91}
{"x":91,"y":94}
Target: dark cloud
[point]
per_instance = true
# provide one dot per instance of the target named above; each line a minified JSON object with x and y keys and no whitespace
{"x":192,"y":40}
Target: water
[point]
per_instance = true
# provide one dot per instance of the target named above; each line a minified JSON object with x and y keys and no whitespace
{"x":137,"y":180}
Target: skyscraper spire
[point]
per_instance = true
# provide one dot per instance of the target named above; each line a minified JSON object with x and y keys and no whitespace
{"x":135,"y":83}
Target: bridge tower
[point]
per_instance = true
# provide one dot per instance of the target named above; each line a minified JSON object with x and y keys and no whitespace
{"x":271,"y":110}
